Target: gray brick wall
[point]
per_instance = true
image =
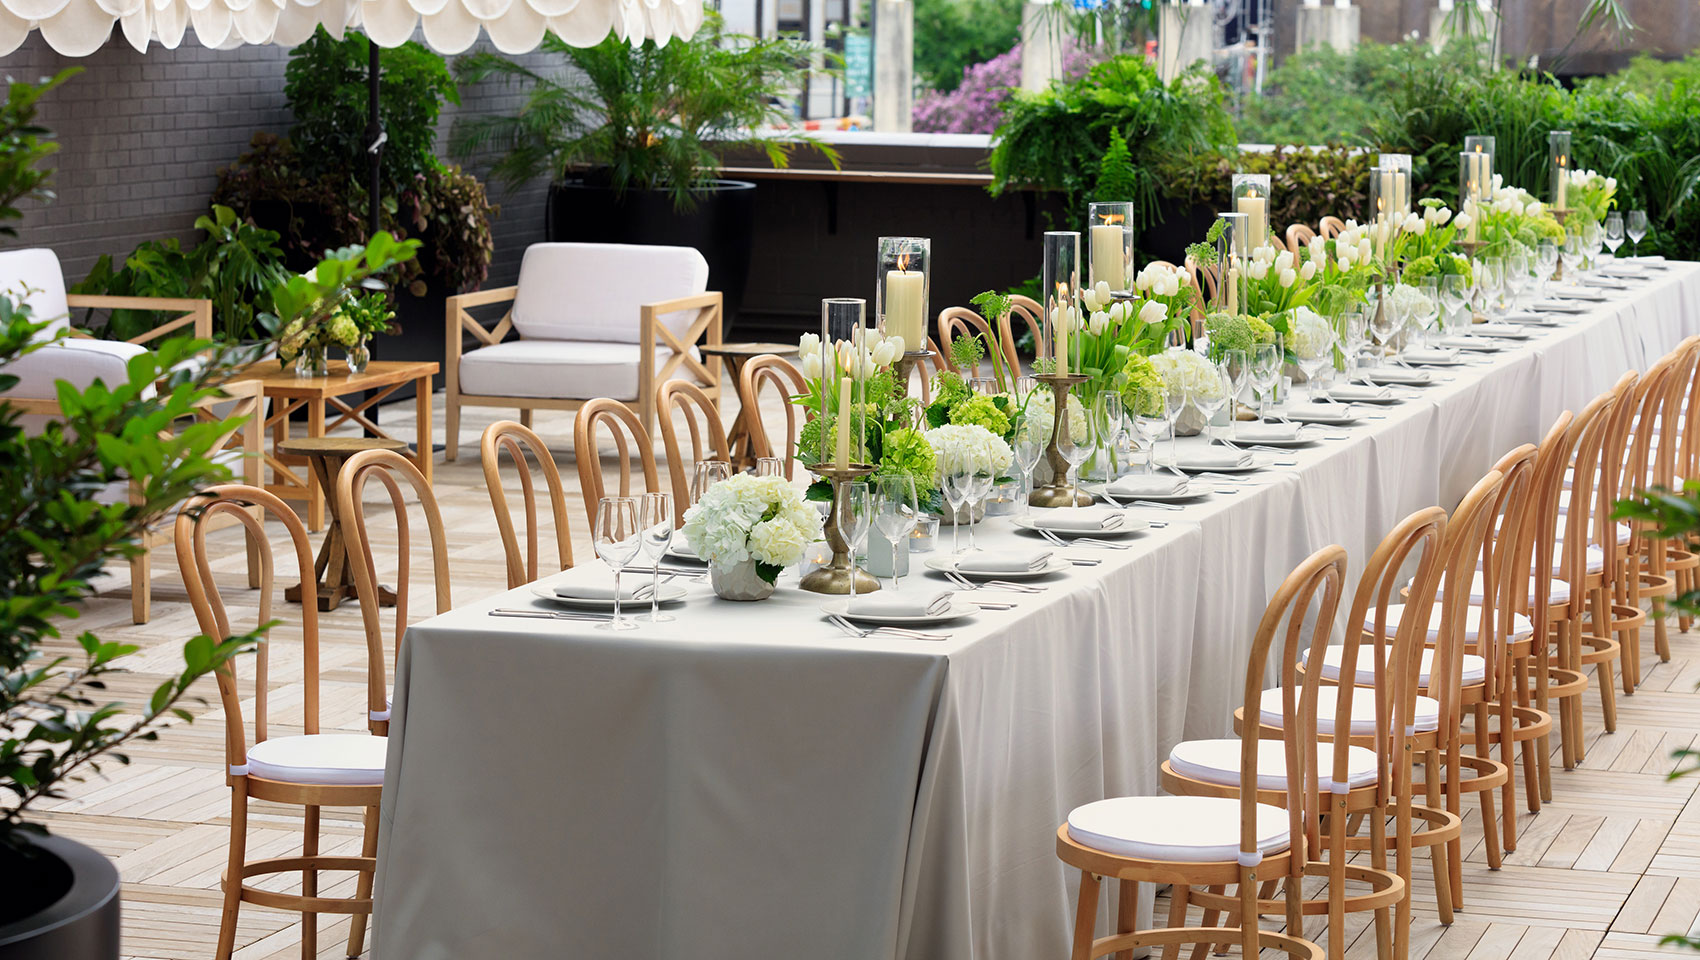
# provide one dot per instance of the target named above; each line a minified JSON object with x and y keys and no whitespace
{"x":144,"y":135}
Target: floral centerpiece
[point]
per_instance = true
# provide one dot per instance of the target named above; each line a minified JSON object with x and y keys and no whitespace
{"x":963,"y":448}
{"x":748,"y":529}
{"x":1511,"y":216}
{"x":1197,"y":375}
{"x":1590,"y":195}
{"x":325,"y":306}
{"x":1142,"y":388}
{"x":1106,"y":331}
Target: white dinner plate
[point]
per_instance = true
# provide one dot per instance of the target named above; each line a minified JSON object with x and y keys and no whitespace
{"x":1501,"y":331}
{"x":1184,"y":462}
{"x":1329,"y":414}
{"x":1357,"y":393}
{"x":670,"y":593}
{"x":948,"y":565}
{"x":1551,"y":305}
{"x":1579,"y":293}
{"x":1128,"y":528}
{"x":841,"y":608}
{"x":1191,"y":492}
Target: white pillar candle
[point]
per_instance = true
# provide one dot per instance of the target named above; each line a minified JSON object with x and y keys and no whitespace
{"x":1233,"y":289}
{"x":1474,"y":211}
{"x":1256,"y":210}
{"x":904,"y":314}
{"x":1109,"y":265}
{"x":1061,"y":323}
{"x":1563,"y":187}
{"x":843,"y":423}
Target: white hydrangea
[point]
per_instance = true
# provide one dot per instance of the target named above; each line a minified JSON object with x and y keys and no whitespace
{"x":1308,"y":334}
{"x":1409,"y":301}
{"x":1193,"y":371}
{"x":969,"y":448}
{"x":1042,"y":413}
{"x":730,"y":524}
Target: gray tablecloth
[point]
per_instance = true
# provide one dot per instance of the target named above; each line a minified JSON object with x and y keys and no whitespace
{"x":748,"y":782}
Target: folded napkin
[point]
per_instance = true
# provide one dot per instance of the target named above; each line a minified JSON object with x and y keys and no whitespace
{"x":1004,"y":561}
{"x":1507,"y":330}
{"x":1650,"y":260}
{"x":1320,"y":413}
{"x":887,"y":604}
{"x":1386,"y":374}
{"x":1265,"y":432}
{"x":1578,"y":293}
{"x":1079,"y":519}
{"x":1214,"y":459}
{"x":1475,"y":344}
{"x":1621,"y":269}
{"x":1431,"y":355}
{"x":1521,"y":317}
{"x":603,"y":590}
{"x":1358,"y":391}
{"x":680,"y":547}
{"x":1148,"y":485}
{"x":1606,"y":282}
{"x":1551,"y":305}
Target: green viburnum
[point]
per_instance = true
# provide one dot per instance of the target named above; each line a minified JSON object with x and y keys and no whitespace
{"x":1142,"y":388}
{"x":981,"y":411}
{"x":906,"y":452}
{"x":1235,"y":332}
{"x":1204,"y":253}
{"x":343,"y":330}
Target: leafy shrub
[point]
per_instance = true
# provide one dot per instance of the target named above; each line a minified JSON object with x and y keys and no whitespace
{"x":1306,"y":183}
{"x":952,"y":36}
{"x":975,"y":104}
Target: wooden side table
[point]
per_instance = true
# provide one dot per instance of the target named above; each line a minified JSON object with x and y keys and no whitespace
{"x":289,"y":393}
{"x":736,"y":355}
{"x":332,"y":576}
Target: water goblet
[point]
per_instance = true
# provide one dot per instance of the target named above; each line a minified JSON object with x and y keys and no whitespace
{"x":956,"y":486}
{"x":979,"y":488}
{"x":1427,"y":313}
{"x":1593,"y":237}
{"x":1111,"y":418}
{"x":770,"y":467}
{"x":1175,"y":400}
{"x":618,"y":538}
{"x":1614,"y":232}
{"x":895,"y":510}
{"x":1076,"y":442}
{"x":1516,"y":274}
{"x":1149,"y":425}
{"x":1546,"y":264}
{"x":708,"y":473}
{"x":1217,"y":387}
{"x":1455,"y":302}
{"x":855,"y":516}
{"x":1237,"y":365}
{"x":1571,"y":254}
{"x":656,"y":515}
{"x":1383,"y":322}
{"x":1322,"y":356}
{"x":1266,"y":362}
{"x":1027,"y":448}
{"x":1636,"y":228}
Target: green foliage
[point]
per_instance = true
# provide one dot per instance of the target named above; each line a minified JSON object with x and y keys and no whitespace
{"x":907,"y":453}
{"x":234,"y":267}
{"x":1117,"y":180}
{"x":1204,"y":252}
{"x":1307,"y":183}
{"x":646,"y":117}
{"x":1650,"y":76}
{"x":952,"y":35}
{"x":308,"y":309}
{"x":1322,"y":95}
{"x":981,"y":411}
{"x":1142,"y":387}
{"x":966,"y":351}
{"x":24,"y":146}
{"x":1054,"y":139}
{"x":327,"y":86}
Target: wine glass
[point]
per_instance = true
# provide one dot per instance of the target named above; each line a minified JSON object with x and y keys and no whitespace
{"x":956,"y":487}
{"x":1636,"y":228}
{"x":618,"y":539}
{"x":1570,"y":255}
{"x":1428,"y":311}
{"x":983,"y":386}
{"x":895,"y":508}
{"x":1174,"y":401}
{"x":1614,"y":232}
{"x":1111,"y":418}
{"x":855,"y":516}
{"x":1024,"y":387}
{"x":1546,"y":264}
{"x":979,"y":488}
{"x":1517,"y":270}
{"x":1490,"y":273}
{"x":708,"y":473}
{"x":1076,"y":441}
{"x":1592,"y":239}
{"x":1383,"y":323}
{"x":1455,"y":301}
{"x":1265,"y":373}
{"x":1217,"y":389}
{"x":1027,"y":448}
{"x":1324,"y":356}
{"x":656,"y":515}
{"x":1149,"y":425}
{"x":1237,"y":365}
{"x":770,"y":467}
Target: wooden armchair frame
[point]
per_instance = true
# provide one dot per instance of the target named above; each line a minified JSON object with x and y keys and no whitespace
{"x":707,"y":326}
{"x":516,"y":439}
{"x":196,"y":313}
{"x":628,"y":433}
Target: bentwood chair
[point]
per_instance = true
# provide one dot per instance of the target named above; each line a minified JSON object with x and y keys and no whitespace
{"x":518,"y":440}
{"x":630,"y":438}
{"x":708,"y":436}
{"x":1330,"y":227}
{"x":962,"y":322}
{"x":787,"y":380}
{"x":1299,"y":236}
{"x":1033,"y":315}
{"x":1646,"y":575}
{"x":1202,"y":843}
{"x":386,"y":465}
{"x":308,"y":770}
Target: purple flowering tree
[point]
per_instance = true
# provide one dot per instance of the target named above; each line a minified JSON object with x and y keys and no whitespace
{"x":977,"y":105}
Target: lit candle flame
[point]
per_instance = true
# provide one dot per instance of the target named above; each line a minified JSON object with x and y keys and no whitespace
{"x":1112,"y":219}
{"x":903,"y":262}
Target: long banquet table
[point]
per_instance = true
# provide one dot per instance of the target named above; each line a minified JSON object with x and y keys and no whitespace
{"x":748,"y":782}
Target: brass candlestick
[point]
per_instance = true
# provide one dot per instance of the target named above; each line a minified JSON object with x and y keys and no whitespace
{"x":1560,"y":216}
{"x":1059,"y":492}
{"x":905,"y":366}
{"x":1470,"y":248}
{"x":837,"y":575}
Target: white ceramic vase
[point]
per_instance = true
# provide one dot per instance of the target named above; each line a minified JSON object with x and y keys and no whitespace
{"x":739,"y":582}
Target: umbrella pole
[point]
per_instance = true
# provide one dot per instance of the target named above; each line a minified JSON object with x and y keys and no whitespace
{"x":374,"y":158}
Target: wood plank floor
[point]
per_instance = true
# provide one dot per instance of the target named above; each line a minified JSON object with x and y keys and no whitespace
{"x":1606,"y":869}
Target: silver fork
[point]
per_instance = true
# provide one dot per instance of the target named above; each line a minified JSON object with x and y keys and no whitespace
{"x":1080,"y":541}
{"x":550,"y":615}
{"x":861,"y":632}
{"x":1011,"y":586}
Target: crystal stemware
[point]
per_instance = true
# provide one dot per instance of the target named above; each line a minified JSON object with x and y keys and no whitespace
{"x":1427,"y":313}
{"x":1455,"y":302}
{"x":1237,"y":365}
{"x":1636,"y":228}
{"x":979,"y":488}
{"x":956,"y":487}
{"x":770,"y":467}
{"x":1027,"y":448}
{"x":1111,"y":418}
{"x":1614,"y":232}
{"x":1546,"y":264}
{"x":1174,"y":401}
{"x":617,"y":537}
{"x":855,"y":517}
{"x":1079,"y":438}
{"x":1570,"y":255}
{"x":1265,"y":373}
{"x":1384,"y":322}
{"x":656,"y":515}
{"x":708,"y":473}
{"x":1516,"y":275}
{"x":895,"y":509}
{"x":1323,"y":356}
{"x":1593,"y":238}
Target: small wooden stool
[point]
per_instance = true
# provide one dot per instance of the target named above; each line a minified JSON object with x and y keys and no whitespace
{"x":331,"y":571}
{"x":736,"y":355}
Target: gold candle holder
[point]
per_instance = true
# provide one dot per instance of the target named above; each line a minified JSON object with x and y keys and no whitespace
{"x":837,"y":576}
{"x":1059,"y":492}
{"x":1560,"y":216}
{"x":906,"y":365}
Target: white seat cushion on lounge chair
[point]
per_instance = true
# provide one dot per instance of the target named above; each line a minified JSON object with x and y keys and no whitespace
{"x":567,"y":369}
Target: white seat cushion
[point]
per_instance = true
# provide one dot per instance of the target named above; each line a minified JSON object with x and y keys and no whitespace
{"x":34,"y":275}
{"x":1475,"y":668}
{"x":79,"y":361}
{"x":1472,"y":623}
{"x":1558,"y":592}
{"x":1363,"y":713}
{"x":560,"y":369}
{"x":342,"y":759}
{"x":1218,"y":761}
{"x":1175,"y":829}
{"x":593,"y":292}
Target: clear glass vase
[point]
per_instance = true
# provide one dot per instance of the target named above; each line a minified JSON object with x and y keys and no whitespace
{"x":311,"y":362}
{"x":359,"y":356}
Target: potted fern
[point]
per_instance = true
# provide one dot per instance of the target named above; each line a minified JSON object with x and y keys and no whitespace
{"x":632,"y":137}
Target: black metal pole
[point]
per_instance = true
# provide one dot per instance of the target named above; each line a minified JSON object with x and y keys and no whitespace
{"x":374,"y":159}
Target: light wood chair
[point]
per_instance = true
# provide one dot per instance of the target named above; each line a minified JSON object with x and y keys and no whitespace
{"x":1029,"y":312}
{"x":1299,"y":236}
{"x":309,"y":770}
{"x":630,"y":438}
{"x":518,"y":439}
{"x":961,"y":321}
{"x":1231,"y":840}
{"x":784,"y":377}
{"x":708,"y":436}
{"x":1330,"y":227}
{"x":1646,"y":574}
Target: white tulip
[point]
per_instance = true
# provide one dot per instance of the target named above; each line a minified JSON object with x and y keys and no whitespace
{"x":811,"y":366}
{"x":1308,"y":270}
{"x":1611,"y":183}
{"x":1347,"y":255}
{"x":1258,"y":270}
{"x":897,"y":345}
{"x":1284,"y":260}
{"x":1445,"y":215}
{"x":1535,"y":208}
{"x":1498,"y":181}
{"x":1089,"y":297}
{"x":1263,"y":254}
{"x":1099,"y":322}
{"x":1463,"y":221}
{"x":1102,"y":289}
{"x":1318,"y":248}
{"x":1153,"y":313}
{"x":1288,"y":277}
{"x":883,"y":354}
{"x":1365,"y":251}
{"x":807,"y":344}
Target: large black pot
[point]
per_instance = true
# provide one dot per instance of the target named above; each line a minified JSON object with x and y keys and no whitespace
{"x":722,"y":226}
{"x":58,"y":901}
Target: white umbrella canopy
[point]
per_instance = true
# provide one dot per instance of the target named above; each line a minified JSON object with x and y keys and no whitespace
{"x":77,"y":28}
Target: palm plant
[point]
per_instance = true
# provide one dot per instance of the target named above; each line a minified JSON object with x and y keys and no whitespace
{"x":647,"y":117}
